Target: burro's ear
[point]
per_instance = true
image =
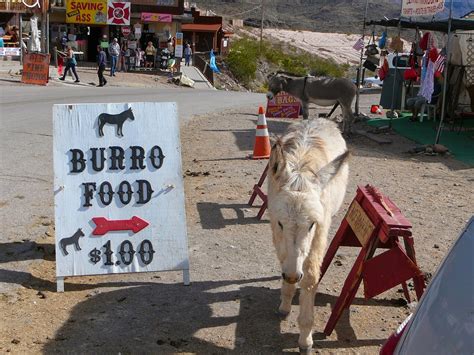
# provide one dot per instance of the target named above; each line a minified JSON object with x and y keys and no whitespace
{"x":277,"y":157}
{"x":327,"y":172}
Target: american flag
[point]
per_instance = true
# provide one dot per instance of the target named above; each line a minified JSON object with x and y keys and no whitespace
{"x":439,"y":63}
{"x":359,"y":45}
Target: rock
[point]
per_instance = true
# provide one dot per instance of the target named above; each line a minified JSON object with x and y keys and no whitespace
{"x":15,"y":341}
{"x":436,"y":246}
{"x":41,"y":295}
{"x":429,"y":150}
{"x":439,"y":148}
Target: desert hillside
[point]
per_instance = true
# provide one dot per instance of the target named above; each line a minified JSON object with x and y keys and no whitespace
{"x":341,"y":16}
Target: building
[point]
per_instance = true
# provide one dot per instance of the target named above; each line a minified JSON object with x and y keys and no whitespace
{"x":89,"y":23}
{"x":206,"y":33}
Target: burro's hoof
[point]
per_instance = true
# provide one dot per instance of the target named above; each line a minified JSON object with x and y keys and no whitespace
{"x":305,"y":351}
{"x":283,"y":315}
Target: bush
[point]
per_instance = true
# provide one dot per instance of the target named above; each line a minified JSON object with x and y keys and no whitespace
{"x":245,"y":54}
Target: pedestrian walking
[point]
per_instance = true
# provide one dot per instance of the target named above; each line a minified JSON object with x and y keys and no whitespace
{"x":114,"y":52}
{"x":187,"y":54}
{"x":70,"y":64}
{"x":150,"y":52}
{"x":101,"y":62}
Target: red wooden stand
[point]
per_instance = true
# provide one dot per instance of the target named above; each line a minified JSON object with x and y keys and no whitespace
{"x":373,"y":221}
{"x":257,"y":190}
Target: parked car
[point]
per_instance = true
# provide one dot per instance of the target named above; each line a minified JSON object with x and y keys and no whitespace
{"x":443,"y":322}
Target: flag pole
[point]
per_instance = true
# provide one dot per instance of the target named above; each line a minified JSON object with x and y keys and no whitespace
{"x":445,"y":84}
{"x":359,"y":71}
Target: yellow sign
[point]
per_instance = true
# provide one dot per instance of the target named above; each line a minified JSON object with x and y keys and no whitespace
{"x":360,"y":223}
{"x":90,"y":12}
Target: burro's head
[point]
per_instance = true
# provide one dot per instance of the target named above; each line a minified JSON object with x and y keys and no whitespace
{"x":296,"y":207}
{"x":276,"y":84}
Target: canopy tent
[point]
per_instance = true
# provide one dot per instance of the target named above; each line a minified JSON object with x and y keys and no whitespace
{"x":437,"y":25}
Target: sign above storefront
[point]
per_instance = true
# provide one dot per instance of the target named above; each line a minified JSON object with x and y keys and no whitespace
{"x":118,"y":13}
{"x":412,"y":8}
{"x":90,"y":12}
{"x":154,"y":17}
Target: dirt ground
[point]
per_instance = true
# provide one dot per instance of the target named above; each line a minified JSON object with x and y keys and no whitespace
{"x":230,"y":305}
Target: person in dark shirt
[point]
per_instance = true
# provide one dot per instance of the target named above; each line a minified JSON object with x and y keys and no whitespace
{"x":101,"y":62}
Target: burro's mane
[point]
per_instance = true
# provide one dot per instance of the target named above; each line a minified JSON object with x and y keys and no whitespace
{"x":296,"y":159}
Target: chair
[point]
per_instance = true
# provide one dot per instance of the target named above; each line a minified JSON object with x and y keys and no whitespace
{"x":430,"y":112}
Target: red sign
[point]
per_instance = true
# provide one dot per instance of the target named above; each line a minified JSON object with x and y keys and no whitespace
{"x":35,"y":69}
{"x":103,"y":225}
{"x":118,"y":13}
{"x":126,"y":30}
{"x":283,"y":105}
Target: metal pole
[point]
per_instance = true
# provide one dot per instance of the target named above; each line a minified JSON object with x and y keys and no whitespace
{"x":47,"y":33}
{"x":261,"y":25}
{"x":359,"y":70}
{"x":21,"y":37}
{"x":445,"y":84}
{"x":392,"y":106}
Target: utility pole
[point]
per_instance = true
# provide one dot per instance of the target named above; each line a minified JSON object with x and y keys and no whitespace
{"x":261,"y":23}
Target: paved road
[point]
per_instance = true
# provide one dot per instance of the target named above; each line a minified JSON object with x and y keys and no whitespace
{"x":26,"y":166}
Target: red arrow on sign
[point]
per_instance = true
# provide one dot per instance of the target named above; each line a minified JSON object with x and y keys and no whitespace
{"x":103,"y":225}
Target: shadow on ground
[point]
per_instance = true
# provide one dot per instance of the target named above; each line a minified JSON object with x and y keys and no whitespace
{"x":167,"y":318}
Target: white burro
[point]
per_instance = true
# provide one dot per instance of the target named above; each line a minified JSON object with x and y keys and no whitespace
{"x":308,"y":175}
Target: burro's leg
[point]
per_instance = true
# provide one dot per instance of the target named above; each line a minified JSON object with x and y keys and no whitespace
{"x":309,"y":283}
{"x":348,"y":117}
{"x":287,"y":294}
{"x":305,"y":107}
{"x":306,"y":318}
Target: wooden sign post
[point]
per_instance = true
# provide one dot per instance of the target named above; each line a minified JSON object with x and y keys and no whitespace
{"x":283,"y":105}
{"x":118,"y":186}
{"x":35,"y":69}
{"x":373,"y":221}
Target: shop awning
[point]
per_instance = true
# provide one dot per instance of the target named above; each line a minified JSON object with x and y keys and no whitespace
{"x":440,"y":26}
{"x":198,"y":27}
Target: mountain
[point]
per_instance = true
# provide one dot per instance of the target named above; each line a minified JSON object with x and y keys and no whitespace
{"x":341,"y":16}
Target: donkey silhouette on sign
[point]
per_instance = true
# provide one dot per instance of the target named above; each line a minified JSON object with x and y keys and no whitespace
{"x":73,"y":240}
{"x":117,"y":119}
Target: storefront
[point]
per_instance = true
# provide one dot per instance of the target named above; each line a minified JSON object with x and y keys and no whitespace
{"x":157,"y":28}
{"x":86,"y":24}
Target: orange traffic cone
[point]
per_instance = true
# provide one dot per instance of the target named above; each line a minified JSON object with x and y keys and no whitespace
{"x":261,"y":149}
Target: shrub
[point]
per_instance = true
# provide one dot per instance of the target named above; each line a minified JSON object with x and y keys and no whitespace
{"x":245,"y":54}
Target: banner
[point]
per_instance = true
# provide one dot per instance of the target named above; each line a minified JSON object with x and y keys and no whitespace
{"x":90,"y":12}
{"x":154,"y":17}
{"x":35,"y":69}
{"x":119,"y":193}
{"x":412,"y":8}
{"x":118,"y":13}
{"x":178,"y":50}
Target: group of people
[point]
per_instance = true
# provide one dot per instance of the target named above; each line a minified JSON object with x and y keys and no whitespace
{"x":119,"y":59}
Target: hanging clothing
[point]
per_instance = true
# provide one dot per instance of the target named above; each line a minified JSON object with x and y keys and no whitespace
{"x":424,"y":64}
{"x":427,"y":87}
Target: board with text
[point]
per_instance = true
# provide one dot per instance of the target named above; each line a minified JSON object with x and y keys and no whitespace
{"x":119,"y":195}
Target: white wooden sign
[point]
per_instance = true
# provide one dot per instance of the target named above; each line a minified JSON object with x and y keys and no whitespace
{"x":119,"y":195}
{"x":413,"y":8}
